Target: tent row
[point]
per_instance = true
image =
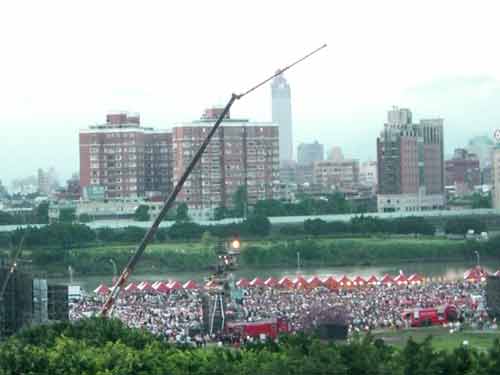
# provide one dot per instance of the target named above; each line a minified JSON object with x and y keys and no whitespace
{"x":330,"y":282}
{"x":147,"y":287}
{"x":284,"y":283}
{"x":476,"y":274}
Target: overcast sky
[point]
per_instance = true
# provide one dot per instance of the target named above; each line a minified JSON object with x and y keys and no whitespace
{"x":64,"y":64}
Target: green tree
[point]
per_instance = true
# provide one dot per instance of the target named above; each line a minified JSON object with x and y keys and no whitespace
{"x":84,"y":218}
{"x":257,"y":225}
{"x":142,"y":213}
{"x":240,"y":201}
{"x":41,"y":213}
{"x":67,"y":215}
{"x":182,"y":212}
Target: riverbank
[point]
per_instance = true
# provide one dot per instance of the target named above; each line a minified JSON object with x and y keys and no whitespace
{"x":200,"y":256}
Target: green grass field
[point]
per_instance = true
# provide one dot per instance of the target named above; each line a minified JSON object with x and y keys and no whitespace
{"x":441,"y":337}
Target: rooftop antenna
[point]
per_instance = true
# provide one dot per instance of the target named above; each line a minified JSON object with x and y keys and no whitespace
{"x":129,"y":268}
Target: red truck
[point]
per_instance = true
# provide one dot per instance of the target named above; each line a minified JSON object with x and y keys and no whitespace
{"x":271,"y":328}
{"x":422,"y":317}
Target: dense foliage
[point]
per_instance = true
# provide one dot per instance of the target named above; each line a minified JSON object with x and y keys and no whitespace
{"x":370,"y":225}
{"x":39,"y":215}
{"x":462,"y":225}
{"x":106,"y":347}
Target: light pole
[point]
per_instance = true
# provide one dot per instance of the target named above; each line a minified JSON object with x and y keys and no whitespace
{"x":477,"y":257}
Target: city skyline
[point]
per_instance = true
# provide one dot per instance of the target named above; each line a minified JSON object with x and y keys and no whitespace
{"x":339,"y":97}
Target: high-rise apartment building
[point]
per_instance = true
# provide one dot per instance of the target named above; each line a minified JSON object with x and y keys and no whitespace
{"x":242,"y":154}
{"x":282,"y":115}
{"x":308,"y":153}
{"x":410,"y":163}
{"x":128,"y":160}
{"x":462,"y":171}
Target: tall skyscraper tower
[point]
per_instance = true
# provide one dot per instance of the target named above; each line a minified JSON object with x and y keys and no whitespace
{"x":282,"y":115}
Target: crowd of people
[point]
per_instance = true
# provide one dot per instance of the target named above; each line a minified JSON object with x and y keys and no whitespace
{"x":178,"y":315}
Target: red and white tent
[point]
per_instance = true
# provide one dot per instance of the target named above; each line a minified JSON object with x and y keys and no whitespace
{"x":359,"y":281}
{"x":145,"y":286}
{"x":345,"y":282}
{"x":401,"y":279}
{"x":257,"y":282}
{"x":314,"y":282}
{"x":271,"y":282}
{"x":497,"y":273}
{"x":243,"y":283}
{"x":331,"y":283}
{"x":476,"y":274}
{"x":387,"y":280}
{"x":161,"y":287}
{"x":190,"y":284}
{"x":285,"y":282}
{"x":415,"y":279}
{"x":102,"y":289}
{"x":174,"y":285}
{"x":210,"y":284}
{"x":372,"y":280}
{"x":131,"y":288}
{"x":301,"y":283}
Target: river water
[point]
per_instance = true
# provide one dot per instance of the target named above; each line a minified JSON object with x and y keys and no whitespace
{"x":448,"y":270}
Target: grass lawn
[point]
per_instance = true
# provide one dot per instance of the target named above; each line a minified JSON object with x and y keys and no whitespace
{"x":441,"y":337}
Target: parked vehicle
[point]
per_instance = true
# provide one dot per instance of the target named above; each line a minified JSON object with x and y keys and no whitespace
{"x":423,"y":317}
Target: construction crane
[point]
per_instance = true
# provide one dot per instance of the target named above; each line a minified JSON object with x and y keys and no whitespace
{"x":129,"y":268}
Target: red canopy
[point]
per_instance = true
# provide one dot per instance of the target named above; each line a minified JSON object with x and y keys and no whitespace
{"x":301,"y":284}
{"x":475,"y":274}
{"x":359,"y":281}
{"x":242,"y":283}
{"x":271,"y":282}
{"x":314,"y":282}
{"x":190,"y":284}
{"x":372,"y":280}
{"x":102,"y":289}
{"x":130,"y":288}
{"x":161,"y":287}
{"x":285,"y":282}
{"x":145,"y":287}
{"x":415,"y":279}
{"x":331,"y":283}
{"x":345,"y":281}
{"x":210,"y":284}
{"x":257,"y":282}
{"x":387,"y":279}
{"x":174,"y":285}
{"x":401,"y":279}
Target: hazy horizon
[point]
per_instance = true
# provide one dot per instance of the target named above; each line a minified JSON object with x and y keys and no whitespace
{"x":66,"y":65}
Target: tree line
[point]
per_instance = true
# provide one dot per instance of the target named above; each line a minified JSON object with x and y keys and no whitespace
{"x":97,"y":346}
{"x":68,"y":235}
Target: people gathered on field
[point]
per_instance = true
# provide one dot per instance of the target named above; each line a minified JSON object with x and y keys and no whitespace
{"x":178,"y":315}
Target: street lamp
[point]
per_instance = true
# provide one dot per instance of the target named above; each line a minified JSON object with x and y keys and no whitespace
{"x":477,"y":257}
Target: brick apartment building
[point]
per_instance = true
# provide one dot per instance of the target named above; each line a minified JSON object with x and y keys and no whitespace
{"x":463,"y":172}
{"x":410,"y":164}
{"x":128,"y":160}
{"x":241,"y":154}
{"x":342,"y":175}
